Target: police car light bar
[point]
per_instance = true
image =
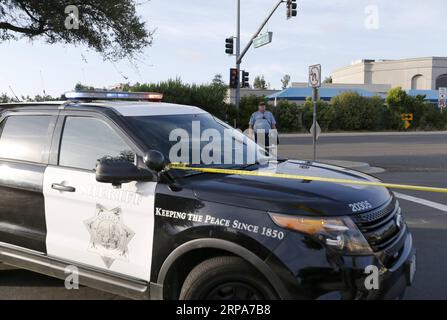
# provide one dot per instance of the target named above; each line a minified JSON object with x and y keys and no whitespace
{"x":113,"y":95}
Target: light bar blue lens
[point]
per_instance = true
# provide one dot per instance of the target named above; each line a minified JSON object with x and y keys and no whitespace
{"x":110,"y":95}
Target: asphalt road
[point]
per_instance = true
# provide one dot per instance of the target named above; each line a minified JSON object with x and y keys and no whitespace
{"x":408,"y":158}
{"x":395,"y":152}
{"x":419,"y":159}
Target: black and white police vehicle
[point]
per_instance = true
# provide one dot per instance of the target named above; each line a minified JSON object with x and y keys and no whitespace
{"x":86,"y":183}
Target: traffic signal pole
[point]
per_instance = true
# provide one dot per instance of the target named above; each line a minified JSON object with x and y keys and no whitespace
{"x":238,"y":52}
{"x":240,"y":55}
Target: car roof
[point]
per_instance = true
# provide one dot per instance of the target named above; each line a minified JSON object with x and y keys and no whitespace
{"x":124,"y":108}
{"x":138,"y":109}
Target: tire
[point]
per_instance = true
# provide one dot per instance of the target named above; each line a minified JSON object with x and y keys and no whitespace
{"x":226,"y":278}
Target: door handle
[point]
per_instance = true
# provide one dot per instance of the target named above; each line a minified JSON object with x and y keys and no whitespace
{"x":61,"y":187}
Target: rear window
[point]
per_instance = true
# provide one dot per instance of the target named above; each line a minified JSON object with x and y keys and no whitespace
{"x":26,"y":138}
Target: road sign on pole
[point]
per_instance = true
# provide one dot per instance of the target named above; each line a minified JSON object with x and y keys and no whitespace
{"x":315,"y":83}
{"x":407,"y":118}
{"x":317,"y":132}
{"x":442,"y":99}
{"x":263,"y":39}
{"x":315,"y":76}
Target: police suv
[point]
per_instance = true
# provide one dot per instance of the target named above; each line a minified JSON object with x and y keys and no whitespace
{"x":86,"y":185}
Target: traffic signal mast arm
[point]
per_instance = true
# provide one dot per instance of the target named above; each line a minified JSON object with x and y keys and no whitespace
{"x":241,"y":56}
{"x":291,"y":12}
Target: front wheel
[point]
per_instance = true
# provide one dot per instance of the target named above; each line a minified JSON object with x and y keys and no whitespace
{"x":226,"y":278}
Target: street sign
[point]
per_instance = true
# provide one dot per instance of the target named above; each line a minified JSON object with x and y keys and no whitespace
{"x":407,"y":118}
{"x":442,"y":99}
{"x":263,"y":39}
{"x":315,"y":76}
{"x":316,"y":132}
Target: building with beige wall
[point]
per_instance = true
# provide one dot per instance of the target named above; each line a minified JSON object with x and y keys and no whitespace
{"x":411,"y":74}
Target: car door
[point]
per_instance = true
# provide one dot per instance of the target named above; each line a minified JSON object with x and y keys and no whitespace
{"x":25,"y":140}
{"x":91,"y":223}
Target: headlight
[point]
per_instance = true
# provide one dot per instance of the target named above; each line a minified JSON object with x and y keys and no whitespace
{"x":340,"y":234}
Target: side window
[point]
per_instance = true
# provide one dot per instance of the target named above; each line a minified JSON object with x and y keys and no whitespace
{"x":85,"y":141}
{"x":26,"y":138}
{"x":2,"y":125}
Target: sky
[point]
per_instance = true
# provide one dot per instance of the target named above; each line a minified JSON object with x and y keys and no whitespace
{"x":189,"y":43}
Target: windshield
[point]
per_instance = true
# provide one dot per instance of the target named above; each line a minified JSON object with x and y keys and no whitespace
{"x":197,"y":139}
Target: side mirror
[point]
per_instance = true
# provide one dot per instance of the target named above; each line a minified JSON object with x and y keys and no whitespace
{"x":155,"y":160}
{"x":118,"y":171}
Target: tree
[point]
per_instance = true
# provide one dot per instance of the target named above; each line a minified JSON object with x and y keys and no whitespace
{"x":81,"y":87}
{"x":260,"y":83}
{"x":4,"y":98}
{"x":328,"y":80}
{"x":206,"y":96}
{"x":396,"y":97}
{"x":285,"y":81}
{"x":218,"y":80}
{"x":111,"y":27}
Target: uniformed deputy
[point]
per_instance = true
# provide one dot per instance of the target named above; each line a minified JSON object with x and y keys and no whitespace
{"x":262,"y":122}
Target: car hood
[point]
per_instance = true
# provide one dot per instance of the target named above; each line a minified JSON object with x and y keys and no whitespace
{"x":290,"y":196}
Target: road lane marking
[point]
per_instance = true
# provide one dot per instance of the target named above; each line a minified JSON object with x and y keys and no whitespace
{"x":431,"y":204}
{"x":417,"y":222}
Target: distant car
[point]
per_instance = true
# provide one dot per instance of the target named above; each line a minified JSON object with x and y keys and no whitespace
{"x":83,"y":183}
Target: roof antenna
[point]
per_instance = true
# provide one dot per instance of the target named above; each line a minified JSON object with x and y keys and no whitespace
{"x":43,"y":84}
{"x":14,"y":94}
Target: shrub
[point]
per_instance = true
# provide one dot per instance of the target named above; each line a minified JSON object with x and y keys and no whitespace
{"x":426,"y":116}
{"x":325,"y":115}
{"x":432,"y":119}
{"x":288,"y":116}
{"x":354,"y":112}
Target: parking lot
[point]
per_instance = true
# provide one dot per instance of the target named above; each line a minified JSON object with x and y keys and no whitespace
{"x":419,"y":159}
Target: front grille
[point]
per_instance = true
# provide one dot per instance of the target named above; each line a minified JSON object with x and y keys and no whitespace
{"x":379,"y":226}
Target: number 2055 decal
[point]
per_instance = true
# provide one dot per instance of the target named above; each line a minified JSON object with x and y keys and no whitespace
{"x":360,"y":206}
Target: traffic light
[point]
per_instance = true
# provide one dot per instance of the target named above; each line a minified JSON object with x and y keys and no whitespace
{"x":234,"y":78}
{"x":245,"y":79}
{"x":292,"y":7}
{"x":229,"y":45}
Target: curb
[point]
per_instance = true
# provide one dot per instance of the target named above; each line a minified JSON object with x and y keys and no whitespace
{"x":360,"y":134}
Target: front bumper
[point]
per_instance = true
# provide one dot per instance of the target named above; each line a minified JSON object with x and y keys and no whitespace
{"x":395,"y":280}
{"x":318,"y":274}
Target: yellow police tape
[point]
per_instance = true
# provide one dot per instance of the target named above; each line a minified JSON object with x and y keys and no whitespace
{"x":180,"y":166}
